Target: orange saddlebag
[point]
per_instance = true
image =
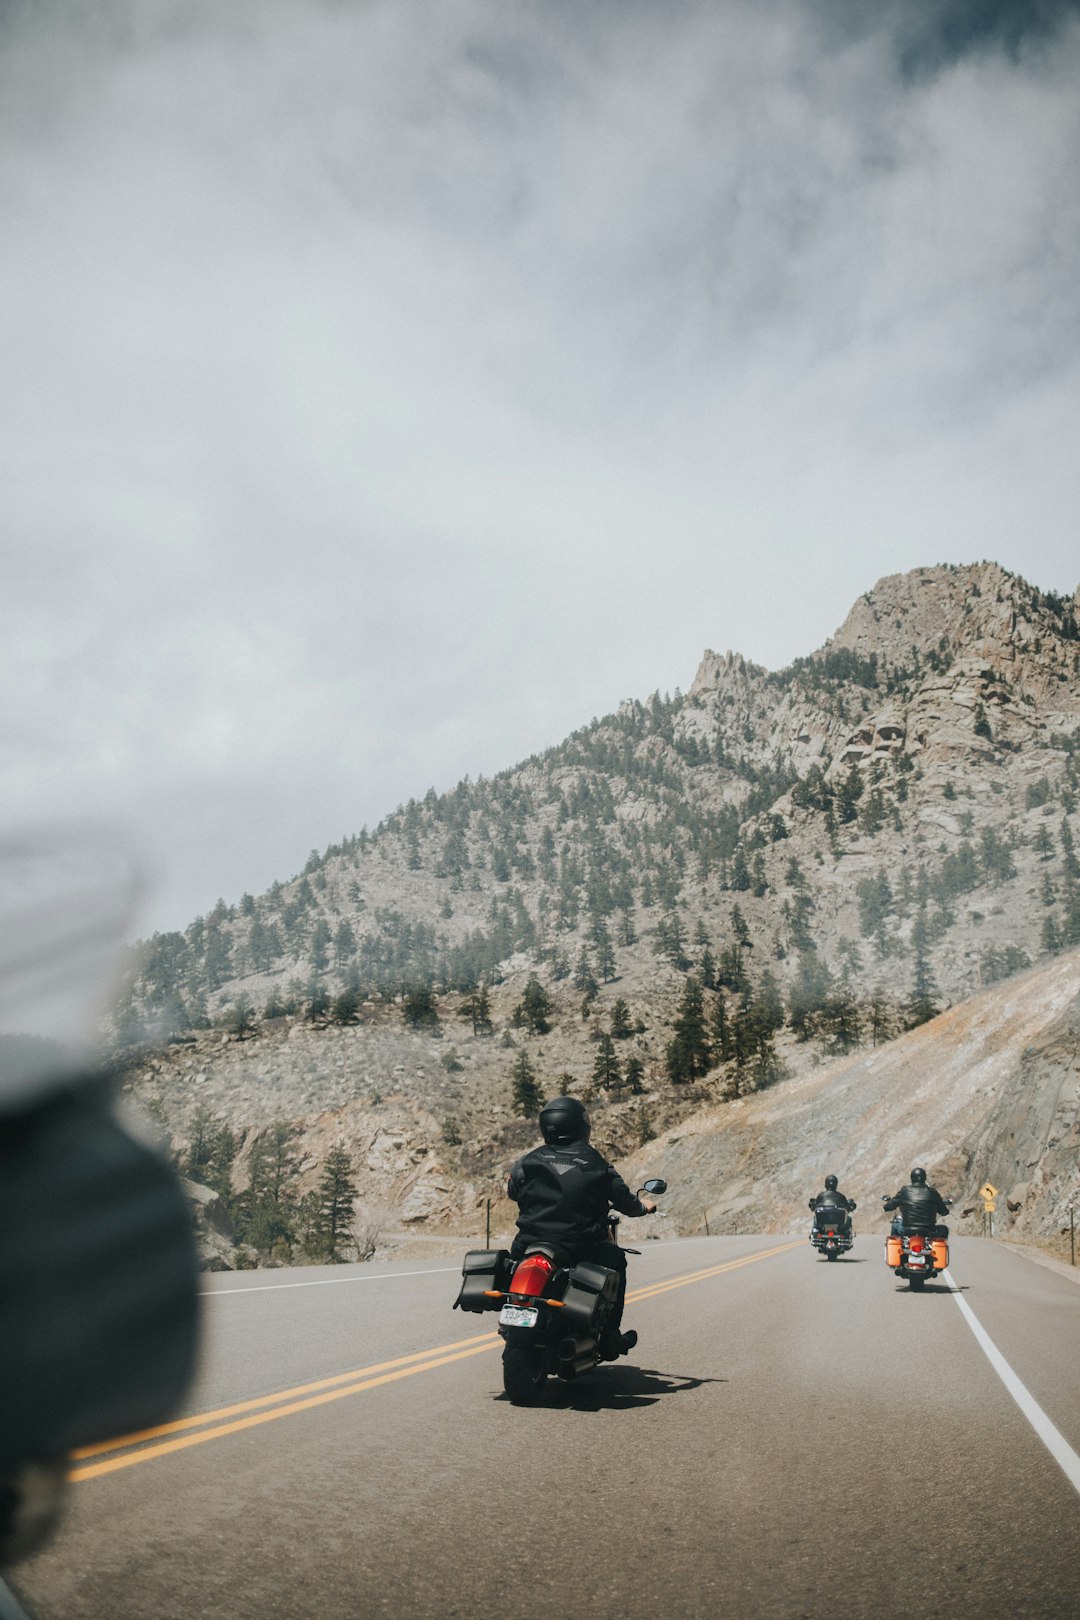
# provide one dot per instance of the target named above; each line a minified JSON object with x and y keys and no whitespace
{"x":941,"y":1253}
{"x":893,"y":1251}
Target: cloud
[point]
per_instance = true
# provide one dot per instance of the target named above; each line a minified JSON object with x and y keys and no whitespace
{"x":392,"y":387}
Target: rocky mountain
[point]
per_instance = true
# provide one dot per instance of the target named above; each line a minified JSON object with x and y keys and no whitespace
{"x":730,"y":885}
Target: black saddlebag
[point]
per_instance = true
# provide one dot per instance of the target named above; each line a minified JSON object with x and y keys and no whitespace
{"x":590,"y":1294}
{"x":480,"y":1270}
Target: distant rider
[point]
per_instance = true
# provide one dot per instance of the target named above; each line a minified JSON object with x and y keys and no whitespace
{"x":564,"y":1191}
{"x":919,"y":1206}
{"x":833,"y":1199}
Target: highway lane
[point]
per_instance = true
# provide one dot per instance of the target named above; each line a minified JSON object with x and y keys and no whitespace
{"x":794,"y":1438}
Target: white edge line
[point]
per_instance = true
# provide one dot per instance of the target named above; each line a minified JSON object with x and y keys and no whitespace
{"x":322,"y":1282}
{"x":1051,"y":1437}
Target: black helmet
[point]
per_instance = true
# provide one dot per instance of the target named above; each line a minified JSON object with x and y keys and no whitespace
{"x":564,"y":1120}
{"x":831,"y":1184}
{"x":918,"y":1177}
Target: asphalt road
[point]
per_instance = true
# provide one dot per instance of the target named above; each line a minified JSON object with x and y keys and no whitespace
{"x":793,"y":1438}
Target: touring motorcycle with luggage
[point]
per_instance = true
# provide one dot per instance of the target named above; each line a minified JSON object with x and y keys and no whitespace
{"x":831,"y":1233}
{"x":915,"y":1256}
{"x":552,"y":1314}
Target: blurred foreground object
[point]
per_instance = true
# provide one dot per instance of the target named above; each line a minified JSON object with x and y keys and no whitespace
{"x":98,"y":1300}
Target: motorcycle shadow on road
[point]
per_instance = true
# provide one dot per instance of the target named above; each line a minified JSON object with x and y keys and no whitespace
{"x":617,"y":1389}
{"x":942,"y":1290}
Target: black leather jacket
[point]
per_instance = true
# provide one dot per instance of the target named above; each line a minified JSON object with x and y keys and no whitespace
{"x":564,"y":1194}
{"x":919,"y":1207}
{"x":834,"y":1200}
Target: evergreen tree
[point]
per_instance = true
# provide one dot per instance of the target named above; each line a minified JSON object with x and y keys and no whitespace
{"x":419,"y":1007}
{"x":528,"y":1099}
{"x":533,"y":1008}
{"x":880,"y":1018}
{"x":635,"y":1074}
{"x":345,"y":1008}
{"x":476,"y":1007}
{"x":606,"y":1071}
{"x":318,"y":949}
{"x":211,"y":1152}
{"x":333,"y":1207}
{"x":266,"y":1210}
{"x":838,"y":1024}
{"x":240,"y":1016}
{"x":921,"y":1005}
{"x":688,"y":1053}
{"x":669,"y":941}
{"x":621,"y":1027}
{"x":808,"y":994}
{"x":583,"y":979}
{"x":848,"y":794}
{"x":720,"y":1032}
{"x":605,"y":954}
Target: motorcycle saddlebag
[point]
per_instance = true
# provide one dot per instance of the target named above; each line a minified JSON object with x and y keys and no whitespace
{"x":940,"y":1251}
{"x":894,"y":1250}
{"x":482,"y":1269}
{"x":590,"y":1294}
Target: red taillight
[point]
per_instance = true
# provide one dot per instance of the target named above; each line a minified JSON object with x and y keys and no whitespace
{"x":831,"y":1232}
{"x":532,"y":1275}
{"x":917,"y":1245}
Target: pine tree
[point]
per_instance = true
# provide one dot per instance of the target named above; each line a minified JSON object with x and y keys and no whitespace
{"x":345,"y":1008}
{"x":688,"y":1053}
{"x":635,"y":1074}
{"x":583,"y":979}
{"x":333,"y":1207}
{"x":266,"y":1210}
{"x":921,"y":1006}
{"x":605,"y":954}
{"x":318,"y":950}
{"x":723,"y":1046}
{"x":880,"y":1018}
{"x":533,"y":1008}
{"x":419,"y":1007}
{"x":210,"y":1156}
{"x":621,"y":1027}
{"x":528,"y":1099}
{"x":606,"y":1071}
{"x":476,"y":1007}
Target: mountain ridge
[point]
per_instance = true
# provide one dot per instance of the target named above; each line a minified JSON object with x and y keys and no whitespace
{"x":829,"y":853}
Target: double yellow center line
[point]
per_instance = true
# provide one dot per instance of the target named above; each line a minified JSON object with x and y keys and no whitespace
{"x":182,"y":1433}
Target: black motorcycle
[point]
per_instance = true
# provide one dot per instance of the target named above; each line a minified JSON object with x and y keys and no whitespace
{"x":832,"y":1233}
{"x":552,"y":1314}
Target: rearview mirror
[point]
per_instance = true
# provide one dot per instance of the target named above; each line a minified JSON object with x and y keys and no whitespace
{"x":657,"y":1186}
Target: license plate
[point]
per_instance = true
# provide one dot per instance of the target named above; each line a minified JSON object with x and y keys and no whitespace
{"x":916,"y":1262}
{"x":518,"y":1316}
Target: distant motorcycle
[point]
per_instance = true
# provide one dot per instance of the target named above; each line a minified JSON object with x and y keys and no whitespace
{"x":830,"y":1234}
{"x":551,"y":1315}
{"x":915,"y":1256}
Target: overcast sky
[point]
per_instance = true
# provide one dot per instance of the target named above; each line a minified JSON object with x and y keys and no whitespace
{"x":390,"y":387}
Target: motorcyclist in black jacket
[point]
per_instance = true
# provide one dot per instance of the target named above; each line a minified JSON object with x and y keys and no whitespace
{"x":564,"y":1191}
{"x":919,"y":1206}
{"x":832,"y":1198}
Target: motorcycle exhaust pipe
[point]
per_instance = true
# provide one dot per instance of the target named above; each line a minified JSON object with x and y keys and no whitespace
{"x":578,"y":1355}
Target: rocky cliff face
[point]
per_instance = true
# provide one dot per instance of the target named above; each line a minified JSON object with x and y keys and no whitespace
{"x":989,"y":1091}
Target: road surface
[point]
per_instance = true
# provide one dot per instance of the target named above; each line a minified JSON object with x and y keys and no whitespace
{"x":794,"y":1438}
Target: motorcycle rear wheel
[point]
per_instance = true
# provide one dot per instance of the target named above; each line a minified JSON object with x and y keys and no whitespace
{"x":523,"y":1372}
{"x":830,"y":1254}
{"x":916,"y":1283}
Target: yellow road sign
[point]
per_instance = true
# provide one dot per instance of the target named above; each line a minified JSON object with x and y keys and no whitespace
{"x":989,"y":1191}
{"x":989,"y":1206}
